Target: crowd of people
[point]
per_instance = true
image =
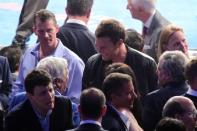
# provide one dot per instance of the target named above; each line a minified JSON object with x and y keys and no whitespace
{"x":115,"y":79}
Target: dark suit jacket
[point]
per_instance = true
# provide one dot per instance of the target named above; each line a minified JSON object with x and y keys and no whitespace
{"x":193,"y":98}
{"x":153,"y":32}
{"x":112,"y":120}
{"x":88,"y":127}
{"x":78,"y":39}
{"x":154,"y":102}
{"x":6,"y":81}
{"x":23,"y":118}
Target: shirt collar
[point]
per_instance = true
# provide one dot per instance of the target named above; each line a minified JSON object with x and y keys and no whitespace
{"x":90,"y":121}
{"x":192,"y":92}
{"x":57,"y":52}
{"x":76,"y":21}
{"x":148,"y":22}
{"x":123,"y":117}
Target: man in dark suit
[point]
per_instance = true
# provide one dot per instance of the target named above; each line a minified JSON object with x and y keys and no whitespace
{"x":5,"y":81}
{"x":74,"y":34}
{"x":153,"y":21}
{"x":172,"y":82}
{"x":191,"y":76}
{"x":92,"y":108}
{"x":42,"y":111}
{"x":119,"y":91}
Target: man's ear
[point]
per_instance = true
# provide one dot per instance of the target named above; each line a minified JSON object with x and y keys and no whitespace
{"x":104,"y":110}
{"x":29,"y":95}
{"x":88,"y":13}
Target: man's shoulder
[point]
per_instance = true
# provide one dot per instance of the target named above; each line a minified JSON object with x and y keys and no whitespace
{"x":139,"y":55}
{"x":20,"y":109}
{"x":68,"y":54}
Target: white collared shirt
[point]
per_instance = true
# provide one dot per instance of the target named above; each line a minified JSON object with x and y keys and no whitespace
{"x":192,"y":92}
{"x":90,"y":121}
{"x":76,"y":21}
{"x":149,"y":21}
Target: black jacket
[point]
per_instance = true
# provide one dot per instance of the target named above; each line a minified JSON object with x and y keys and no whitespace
{"x":154,"y":102}
{"x":143,"y":66}
{"x":23,"y":118}
{"x":78,"y":39}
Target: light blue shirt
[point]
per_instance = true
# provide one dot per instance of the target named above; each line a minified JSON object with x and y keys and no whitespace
{"x":75,"y":67}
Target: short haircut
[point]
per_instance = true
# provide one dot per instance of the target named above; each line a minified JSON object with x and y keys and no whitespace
{"x":134,"y":40}
{"x":79,"y":7}
{"x":113,"y":84}
{"x":57,"y":67}
{"x":191,"y":70}
{"x":44,"y":15}
{"x":92,"y":101}
{"x":148,"y":5}
{"x":166,"y":33}
{"x":111,"y":29}
{"x":174,"y":106}
{"x":125,"y":69}
{"x":13,"y":54}
{"x":36,"y":78}
{"x":170,"y":124}
{"x":174,"y":62}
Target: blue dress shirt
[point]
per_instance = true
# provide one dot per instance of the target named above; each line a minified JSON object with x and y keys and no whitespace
{"x":75,"y":67}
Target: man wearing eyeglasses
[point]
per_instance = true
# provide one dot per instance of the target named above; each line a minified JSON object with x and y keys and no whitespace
{"x":181,"y":108}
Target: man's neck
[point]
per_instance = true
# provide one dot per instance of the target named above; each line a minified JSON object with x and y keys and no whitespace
{"x":45,"y":51}
{"x":121,"y":54}
{"x":81,"y":18}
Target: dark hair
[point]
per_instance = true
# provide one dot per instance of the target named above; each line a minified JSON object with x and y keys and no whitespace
{"x":79,"y":7}
{"x":113,"y":84}
{"x":36,"y":78}
{"x":125,"y":69}
{"x":111,"y":28}
{"x":92,"y":101}
{"x":13,"y":54}
{"x":134,"y":40}
{"x":44,"y":15}
{"x":170,"y":124}
{"x":191,"y":70}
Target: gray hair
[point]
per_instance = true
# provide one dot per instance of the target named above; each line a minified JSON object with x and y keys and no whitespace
{"x":148,"y":5}
{"x":174,"y":63}
{"x":57,"y":67}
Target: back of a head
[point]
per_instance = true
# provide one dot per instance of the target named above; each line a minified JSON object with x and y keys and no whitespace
{"x":36,"y":78}
{"x":111,"y":29}
{"x":57,"y":67}
{"x":92,"y":101}
{"x":148,"y":5}
{"x":174,"y":63}
{"x":113,"y":84}
{"x":13,"y":54}
{"x":191,"y":70}
{"x":175,"y":105}
{"x":134,"y":40}
{"x":170,"y":124}
{"x":122,"y":68}
{"x":78,"y":7}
